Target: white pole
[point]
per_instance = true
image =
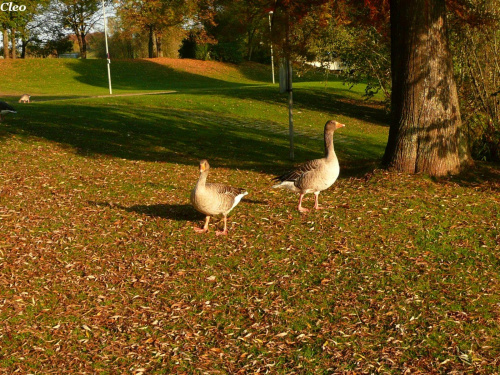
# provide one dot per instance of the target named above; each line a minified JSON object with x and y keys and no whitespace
{"x":270,"y":37}
{"x":290,"y":104}
{"x":107,"y":52}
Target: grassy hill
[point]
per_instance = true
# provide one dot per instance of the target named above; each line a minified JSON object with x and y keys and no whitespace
{"x":59,"y":77}
{"x":215,"y":91}
{"x":101,"y":271}
{"x":73,"y":77}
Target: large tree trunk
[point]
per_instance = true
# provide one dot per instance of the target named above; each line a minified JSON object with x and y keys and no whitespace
{"x":83,"y":46}
{"x":130,"y":50}
{"x":250,"y":44}
{"x":151,"y":42}
{"x":159,"y":50}
{"x":5,"y":44}
{"x":426,"y":128}
{"x":14,"y":47}
{"x":24,"y":44}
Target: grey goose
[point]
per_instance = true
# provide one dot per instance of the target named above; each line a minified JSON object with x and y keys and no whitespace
{"x":214,"y":199}
{"x":316,"y":175}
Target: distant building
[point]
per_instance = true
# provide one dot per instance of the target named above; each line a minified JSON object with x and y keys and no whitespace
{"x":334,"y":66}
{"x":73,"y":55}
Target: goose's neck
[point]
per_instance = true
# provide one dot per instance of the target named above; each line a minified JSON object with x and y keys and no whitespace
{"x":329,"y":151}
{"x":203,"y":179}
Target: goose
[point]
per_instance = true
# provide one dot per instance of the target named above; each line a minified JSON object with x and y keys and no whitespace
{"x":316,"y":175}
{"x":214,"y":199}
{"x":4,"y":109}
{"x":25,"y":98}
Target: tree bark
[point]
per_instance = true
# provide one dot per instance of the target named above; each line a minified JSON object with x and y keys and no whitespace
{"x":5,"y":44}
{"x":159,"y":50}
{"x":24,"y":44}
{"x":130,"y":50}
{"x":83,"y":46}
{"x":426,"y":128}
{"x":250,"y":44}
{"x":151,"y":42}
{"x":14,"y":47}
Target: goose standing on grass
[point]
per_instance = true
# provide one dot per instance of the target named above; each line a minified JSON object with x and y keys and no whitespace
{"x":214,"y":199}
{"x":25,"y":98}
{"x":316,"y":175}
{"x":4,"y":109}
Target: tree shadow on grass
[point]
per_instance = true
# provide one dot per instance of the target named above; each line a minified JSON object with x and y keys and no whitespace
{"x":178,"y":136}
{"x":166,"y":135}
{"x":331,"y":101}
{"x":145,"y":74}
{"x":484,"y":177}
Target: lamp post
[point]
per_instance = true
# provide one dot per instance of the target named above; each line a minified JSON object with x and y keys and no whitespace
{"x":107,"y":52}
{"x":270,"y":38}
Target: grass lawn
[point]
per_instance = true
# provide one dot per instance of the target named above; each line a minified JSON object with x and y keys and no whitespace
{"x":101,"y":271}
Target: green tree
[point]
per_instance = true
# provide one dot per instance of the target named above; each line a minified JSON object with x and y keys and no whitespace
{"x":155,"y":17}
{"x":238,"y":28}
{"x":6,"y":25}
{"x":360,"y":47}
{"x":79,"y":16}
{"x":28,"y":23}
{"x":475,"y":38}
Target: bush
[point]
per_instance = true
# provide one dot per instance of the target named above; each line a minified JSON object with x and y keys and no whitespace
{"x":227,"y":52}
{"x":202,"y":51}
{"x":484,"y":138}
{"x":192,"y":50}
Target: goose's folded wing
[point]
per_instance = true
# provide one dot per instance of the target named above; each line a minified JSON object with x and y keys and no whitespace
{"x":226,"y":196}
{"x":294,"y":174}
{"x":226,"y":190}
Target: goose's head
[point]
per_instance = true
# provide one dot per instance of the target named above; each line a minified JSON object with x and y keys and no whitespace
{"x":204,"y":166}
{"x":332,"y":125}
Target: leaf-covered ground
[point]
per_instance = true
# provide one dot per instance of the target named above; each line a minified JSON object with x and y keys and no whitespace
{"x":101,"y":271}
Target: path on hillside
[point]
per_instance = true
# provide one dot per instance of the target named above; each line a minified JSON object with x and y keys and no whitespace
{"x":140,"y":93}
{"x":106,"y":96}
{"x":134,"y":94}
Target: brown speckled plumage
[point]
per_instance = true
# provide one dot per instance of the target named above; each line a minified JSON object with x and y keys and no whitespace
{"x":214,"y":199}
{"x":316,"y":175}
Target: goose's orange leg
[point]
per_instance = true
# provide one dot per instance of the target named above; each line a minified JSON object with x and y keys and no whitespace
{"x":205,"y":227}
{"x":302,"y":209}
{"x":316,"y":202}
{"x":224,"y":232}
